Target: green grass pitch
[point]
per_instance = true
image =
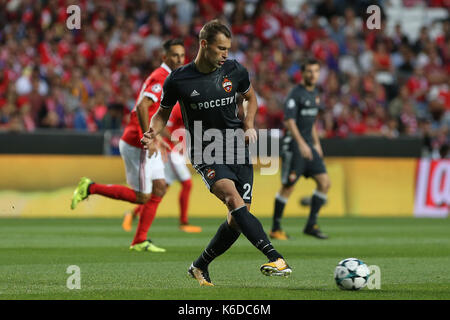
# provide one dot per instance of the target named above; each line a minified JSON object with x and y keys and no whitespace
{"x":413,"y":255}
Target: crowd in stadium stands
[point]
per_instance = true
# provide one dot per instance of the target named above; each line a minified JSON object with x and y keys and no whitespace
{"x":371,"y":83}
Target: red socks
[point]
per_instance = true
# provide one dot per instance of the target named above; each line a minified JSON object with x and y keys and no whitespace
{"x":145,"y":220}
{"x":185,"y":192}
{"x":137,"y":210}
{"x":113,"y":191}
{"x":145,"y":211}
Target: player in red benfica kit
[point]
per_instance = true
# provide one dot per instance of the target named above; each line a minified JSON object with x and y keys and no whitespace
{"x":144,"y":175}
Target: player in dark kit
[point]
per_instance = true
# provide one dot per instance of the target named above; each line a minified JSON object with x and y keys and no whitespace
{"x":301,"y":152}
{"x":206,"y":90}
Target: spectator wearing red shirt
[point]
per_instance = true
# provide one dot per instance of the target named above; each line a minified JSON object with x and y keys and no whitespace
{"x":240,"y":22}
{"x":314,"y":32}
{"x":211,"y":9}
{"x":408,"y":120}
{"x":381,"y":58}
{"x":356,"y":123}
{"x":267,"y":25}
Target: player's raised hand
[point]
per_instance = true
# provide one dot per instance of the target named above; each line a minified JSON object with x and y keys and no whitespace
{"x":148,"y":138}
{"x":149,"y":142}
{"x":306,"y":151}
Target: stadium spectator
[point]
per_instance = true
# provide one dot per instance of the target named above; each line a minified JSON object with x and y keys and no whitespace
{"x":51,"y":77}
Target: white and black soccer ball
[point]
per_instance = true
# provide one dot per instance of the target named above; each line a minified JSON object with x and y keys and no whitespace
{"x":351,"y":274}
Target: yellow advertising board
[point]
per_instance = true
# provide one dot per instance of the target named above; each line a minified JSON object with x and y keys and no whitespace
{"x":41,"y":186}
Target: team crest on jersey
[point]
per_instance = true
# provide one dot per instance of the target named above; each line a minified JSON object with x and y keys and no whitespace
{"x":210,"y":173}
{"x":291,"y":103}
{"x":292,"y":177}
{"x":156,"y":88}
{"x":227,"y":85}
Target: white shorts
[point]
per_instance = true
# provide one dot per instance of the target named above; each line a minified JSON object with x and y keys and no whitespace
{"x":140,"y":169}
{"x":175,"y":168}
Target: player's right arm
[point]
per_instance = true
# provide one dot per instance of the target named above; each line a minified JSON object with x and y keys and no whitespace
{"x":290,"y":114}
{"x":142,"y":112}
{"x":305,"y":150}
{"x":157,"y":124}
{"x":160,"y":118}
{"x":149,"y":97}
{"x":316,"y":140}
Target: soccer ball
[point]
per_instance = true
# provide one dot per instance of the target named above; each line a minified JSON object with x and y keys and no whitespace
{"x":351,"y":274}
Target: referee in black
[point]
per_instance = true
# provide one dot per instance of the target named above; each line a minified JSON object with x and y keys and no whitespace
{"x":301,"y":152}
{"x":206,"y":90}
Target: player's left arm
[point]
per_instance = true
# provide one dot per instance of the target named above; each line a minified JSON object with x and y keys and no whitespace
{"x":250,"y":106}
{"x":316,"y":140}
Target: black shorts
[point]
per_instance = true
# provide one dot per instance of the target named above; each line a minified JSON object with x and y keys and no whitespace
{"x":241,"y":174}
{"x":293,"y":165}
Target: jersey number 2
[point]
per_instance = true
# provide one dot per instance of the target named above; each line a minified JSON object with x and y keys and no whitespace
{"x":247,"y":193}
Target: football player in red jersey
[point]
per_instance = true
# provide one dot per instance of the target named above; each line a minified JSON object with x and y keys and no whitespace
{"x":144,"y":175}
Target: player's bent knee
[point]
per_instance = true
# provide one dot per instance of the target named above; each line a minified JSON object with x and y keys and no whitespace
{"x":142,"y":198}
{"x":159,"y":192}
{"x":324,"y":186}
{"x":286,"y":191}
{"x":159,"y":188}
{"x":233,"y":201}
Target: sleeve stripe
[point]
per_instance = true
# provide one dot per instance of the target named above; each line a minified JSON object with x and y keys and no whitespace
{"x":244,"y":92}
{"x":164,"y":107}
{"x":151,"y":96}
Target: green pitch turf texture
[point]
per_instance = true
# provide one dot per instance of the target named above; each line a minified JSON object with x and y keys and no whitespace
{"x":413,"y":255}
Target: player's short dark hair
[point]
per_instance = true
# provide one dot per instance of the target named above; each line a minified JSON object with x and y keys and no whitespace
{"x":309,"y":61}
{"x":211,"y":29}
{"x":172,"y":42}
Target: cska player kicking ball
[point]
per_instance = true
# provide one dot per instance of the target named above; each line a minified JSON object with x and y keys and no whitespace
{"x":206,"y":89}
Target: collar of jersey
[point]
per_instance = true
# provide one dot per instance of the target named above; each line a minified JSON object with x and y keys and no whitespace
{"x":204,"y":74}
{"x":166,"y":67}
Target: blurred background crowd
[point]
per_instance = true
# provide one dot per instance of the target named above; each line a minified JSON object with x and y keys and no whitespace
{"x":373,"y":82}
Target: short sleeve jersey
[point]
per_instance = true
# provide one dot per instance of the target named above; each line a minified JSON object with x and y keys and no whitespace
{"x":209,"y":108}
{"x":302,"y":106}
{"x":152,"y":89}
